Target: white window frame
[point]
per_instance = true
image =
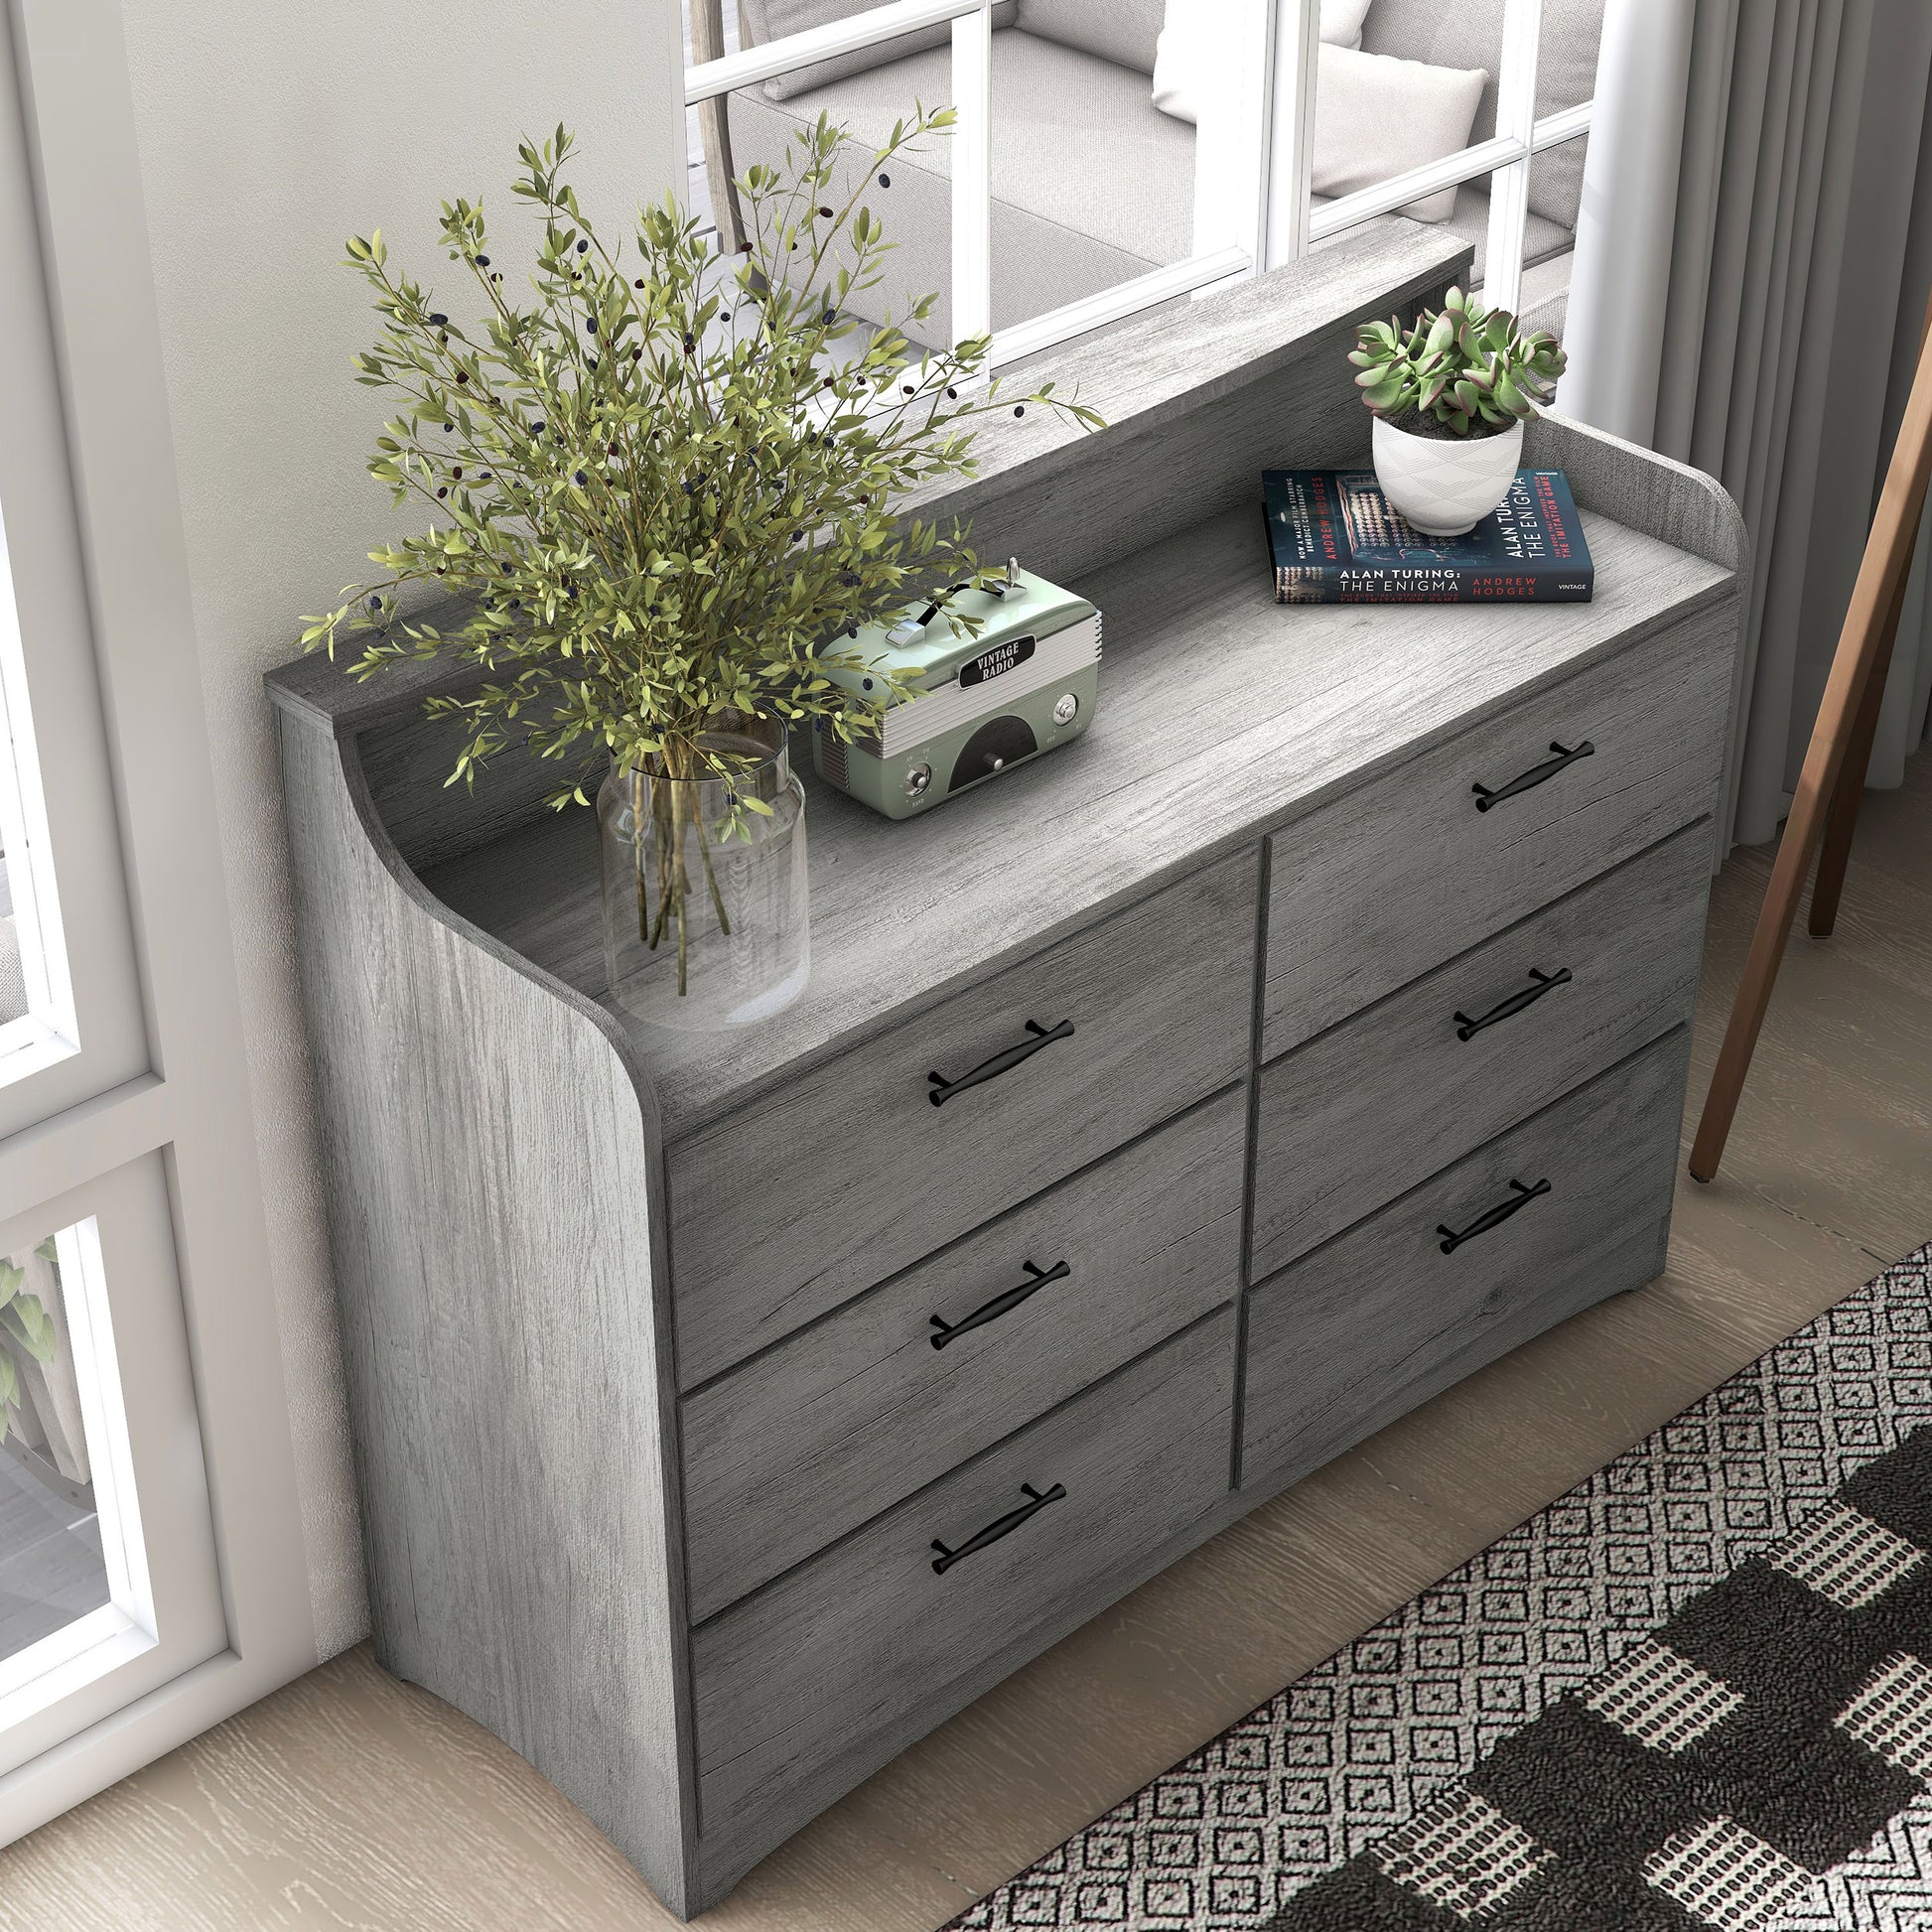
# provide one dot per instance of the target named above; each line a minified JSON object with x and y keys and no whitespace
{"x":161,"y":1155}
{"x":1505,"y":158}
{"x":1230,"y":169}
{"x":164,"y":1615}
{"x":82,"y":1031}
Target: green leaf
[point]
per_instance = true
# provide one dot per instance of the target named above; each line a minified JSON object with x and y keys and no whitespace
{"x":31,"y":1325}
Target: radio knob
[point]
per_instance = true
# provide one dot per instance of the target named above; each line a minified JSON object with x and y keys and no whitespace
{"x":1066,"y":707}
{"x":917,"y":780}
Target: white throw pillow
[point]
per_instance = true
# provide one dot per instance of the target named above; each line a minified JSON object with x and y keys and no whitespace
{"x":1342,"y":22}
{"x":1191,"y":33}
{"x":1377,"y":117}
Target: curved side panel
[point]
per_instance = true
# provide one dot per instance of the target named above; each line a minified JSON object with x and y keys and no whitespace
{"x":492,"y":1169}
{"x":1646,"y":492}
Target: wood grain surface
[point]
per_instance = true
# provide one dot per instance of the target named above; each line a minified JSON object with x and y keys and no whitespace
{"x":349,"y":1800}
{"x":816,"y":1680}
{"x":491,"y":1234}
{"x":1221,"y":712}
{"x":1188,"y":426}
{"x":1394,"y":1094}
{"x":783,"y":1210}
{"x":1379,"y":1318}
{"x":541,"y":1243}
{"x":1377,"y":888}
{"x":789,"y":1450}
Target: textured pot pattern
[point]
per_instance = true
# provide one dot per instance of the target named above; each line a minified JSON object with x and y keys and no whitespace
{"x":1446,"y":486}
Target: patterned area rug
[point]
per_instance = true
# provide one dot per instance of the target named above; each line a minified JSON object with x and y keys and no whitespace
{"x":1694,"y":1693}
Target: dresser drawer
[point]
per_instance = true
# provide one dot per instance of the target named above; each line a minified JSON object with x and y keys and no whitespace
{"x":1355,"y":1117}
{"x":789,"y":1450}
{"x":1369,"y":892}
{"x":808,"y":1686}
{"x":843,"y":1176}
{"x":1363,"y":1329}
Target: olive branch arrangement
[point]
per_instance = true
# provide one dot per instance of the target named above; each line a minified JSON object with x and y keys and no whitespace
{"x":1467,"y":369}
{"x":665,"y":494}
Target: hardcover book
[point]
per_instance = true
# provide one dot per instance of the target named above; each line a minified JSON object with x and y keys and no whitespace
{"x":1334,"y":539}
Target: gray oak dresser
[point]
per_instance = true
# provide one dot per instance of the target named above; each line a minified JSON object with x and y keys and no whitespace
{"x":727,"y":1413}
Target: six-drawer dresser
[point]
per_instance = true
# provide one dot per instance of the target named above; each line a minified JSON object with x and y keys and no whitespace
{"x":1161,"y":1119}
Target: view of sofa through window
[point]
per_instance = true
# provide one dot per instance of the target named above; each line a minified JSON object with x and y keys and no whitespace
{"x":1409,"y":84}
{"x":1103,"y":198}
{"x":1065,"y":199}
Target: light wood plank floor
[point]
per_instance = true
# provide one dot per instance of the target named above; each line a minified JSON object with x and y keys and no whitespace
{"x":349,"y":1800}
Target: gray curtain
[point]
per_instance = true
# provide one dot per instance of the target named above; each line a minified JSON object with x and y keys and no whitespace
{"x":1800,"y":266}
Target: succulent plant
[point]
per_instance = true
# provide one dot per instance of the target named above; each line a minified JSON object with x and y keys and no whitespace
{"x":1463,"y":366}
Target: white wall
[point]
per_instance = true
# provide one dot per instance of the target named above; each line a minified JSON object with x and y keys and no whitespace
{"x":268,"y":134}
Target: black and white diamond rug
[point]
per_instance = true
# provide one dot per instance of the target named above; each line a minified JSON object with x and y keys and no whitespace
{"x":1694,"y":1695}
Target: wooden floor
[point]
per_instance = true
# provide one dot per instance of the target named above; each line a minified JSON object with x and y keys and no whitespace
{"x":348,"y":1800}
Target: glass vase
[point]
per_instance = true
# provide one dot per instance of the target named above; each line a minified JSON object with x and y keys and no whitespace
{"x":704,"y":898}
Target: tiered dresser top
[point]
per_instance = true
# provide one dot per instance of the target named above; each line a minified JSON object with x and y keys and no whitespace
{"x":1221,"y":713}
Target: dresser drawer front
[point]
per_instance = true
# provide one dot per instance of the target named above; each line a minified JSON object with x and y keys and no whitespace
{"x":848,"y":1174}
{"x":817,"y":1678}
{"x":1359,"y":1115}
{"x":1369,"y":892}
{"x":788,"y":1451}
{"x":1365,"y":1329}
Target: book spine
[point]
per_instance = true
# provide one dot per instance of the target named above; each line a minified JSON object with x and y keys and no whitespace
{"x":1323,"y":584}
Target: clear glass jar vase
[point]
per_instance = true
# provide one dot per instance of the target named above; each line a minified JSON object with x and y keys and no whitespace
{"x":704,"y":898}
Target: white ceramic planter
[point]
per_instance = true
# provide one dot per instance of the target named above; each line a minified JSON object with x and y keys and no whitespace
{"x":1445,"y":485}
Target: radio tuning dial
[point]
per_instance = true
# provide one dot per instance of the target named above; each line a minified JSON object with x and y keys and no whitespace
{"x":1066,"y":707}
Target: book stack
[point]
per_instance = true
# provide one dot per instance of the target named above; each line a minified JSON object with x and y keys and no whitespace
{"x":1334,"y":539}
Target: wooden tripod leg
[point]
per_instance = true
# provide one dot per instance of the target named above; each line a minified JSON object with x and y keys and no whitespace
{"x":1874,"y":600}
{"x":1801,"y":831}
{"x":1843,"y":819}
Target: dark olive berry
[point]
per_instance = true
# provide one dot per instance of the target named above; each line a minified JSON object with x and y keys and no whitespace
{"x":885,"y":180}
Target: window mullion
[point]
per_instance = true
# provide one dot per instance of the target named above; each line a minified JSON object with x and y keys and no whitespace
{"x":972,"y":174}
{"x":1509,"y":187}
{"x":1298,"y":41}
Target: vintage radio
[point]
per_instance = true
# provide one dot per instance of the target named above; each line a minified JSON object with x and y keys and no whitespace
{"x":978,"y":705}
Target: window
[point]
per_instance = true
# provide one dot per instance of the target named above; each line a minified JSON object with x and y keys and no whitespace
{"x":126,"y":1135}
{"x":108,"y":1584}
{"x":1497,"y":159}
{"x":1065,"y":199}
{"x":1100,"y":169}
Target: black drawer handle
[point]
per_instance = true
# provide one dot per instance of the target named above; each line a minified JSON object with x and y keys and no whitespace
{"x":1527,"y":996}
{"x":1002,"y":1063}
{"x":1037,"y":1500}
{"x":1494,"y":1217}
{"x":1000,"y":1303}
{"x":1535,"y":775}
